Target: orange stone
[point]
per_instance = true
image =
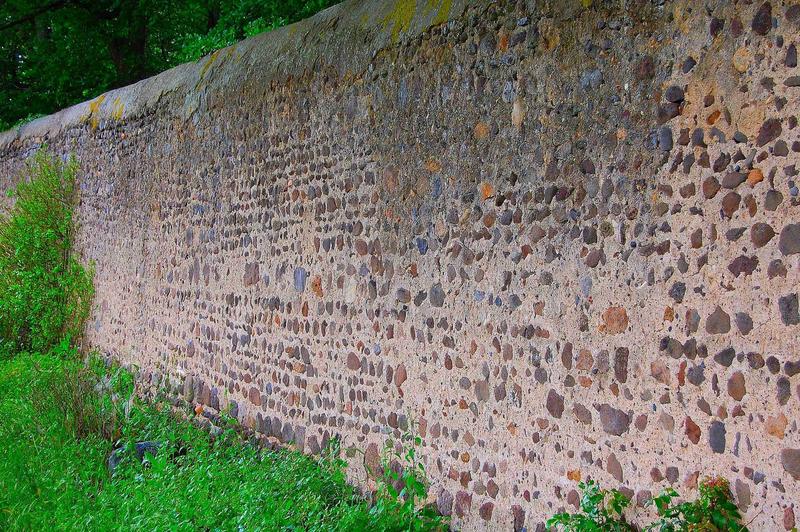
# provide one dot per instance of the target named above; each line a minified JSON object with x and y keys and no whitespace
{"x":432,"y":165}
{"x":574,"y":475}
{"x":486,"y":191}
{"x":754,"y":177}
{"x":316,"y":285}
{"x":502,"y":42}
{"x":615,"y":320}
{"x":481,"y":130}
{"x":776,"y":426}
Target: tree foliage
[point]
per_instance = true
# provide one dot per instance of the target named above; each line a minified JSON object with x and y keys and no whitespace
{"x":55,"y":53}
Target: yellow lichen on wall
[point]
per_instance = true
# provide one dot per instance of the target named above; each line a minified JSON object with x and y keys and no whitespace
{"x":400,"y":17}
{"x":208,"y":63}
{"x":117,"y":108}
{"x":403,"y":11}
{"x":442,"y":11}
{"x":94,"y":111}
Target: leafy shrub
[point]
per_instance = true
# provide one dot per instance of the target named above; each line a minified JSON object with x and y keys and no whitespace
{"x":713,"y":511}
{"x":45,"y":294}
{"x":601,"y":511}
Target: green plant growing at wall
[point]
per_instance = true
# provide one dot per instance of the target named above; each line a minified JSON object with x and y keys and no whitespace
{"x":403,"y":487}
{"x":601,"y":511}
{"x":713,"y":511}
{"x":45,"y":293}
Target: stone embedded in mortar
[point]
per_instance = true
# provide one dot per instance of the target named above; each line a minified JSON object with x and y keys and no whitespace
{"x":300,"y":276}
{"x":769,"y":131}
{"x":614,"y":468}
{"x":743,"y":265}
{"x":692,"y":431}
{"x":762,"y":21}
{"x":555,"y":404}
{"x":716,"y":436}
{"x":615,"y":320}
{"x":761,"y":233}
{"x":790,"y":460}
{"x":743,"y":322}
{"x":789,"y":240}
{"x":436,"y":295}
{"x":613,"y":420}
{"x":736,"y":386}
{"x":719,"y":322}
{"x":788,"y":307}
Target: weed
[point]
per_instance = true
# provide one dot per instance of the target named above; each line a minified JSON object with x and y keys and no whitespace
{"x":601,"y":511}
{"x":714,"y":509}
{"x":402,"y":487}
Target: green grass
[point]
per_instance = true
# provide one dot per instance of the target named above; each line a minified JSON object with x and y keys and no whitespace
{"x":51,"y":476}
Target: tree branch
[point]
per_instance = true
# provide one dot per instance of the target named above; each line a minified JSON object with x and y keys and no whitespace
{"x":52,"y":6}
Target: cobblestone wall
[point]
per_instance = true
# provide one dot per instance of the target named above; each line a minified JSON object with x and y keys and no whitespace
{"x":563,"y":240}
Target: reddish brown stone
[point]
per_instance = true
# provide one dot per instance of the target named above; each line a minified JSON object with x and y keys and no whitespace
{"x":693,"y":432}
{"x":353,"y":362}
{"x":788,"y":518}
{"x":486,"y":510}
{"x":710,"y":187}
{"x":463,"y":503}
{"x":255,"y":396}
{"x":615,"y":320}
{"x":730,"y":203}
{"x":761,"y":234}
{"x":614,"y":467}
{"x":400,"y":375}
{"x":736,"y":386}
{"x":555,"y":404}
{"x":719,"y":322}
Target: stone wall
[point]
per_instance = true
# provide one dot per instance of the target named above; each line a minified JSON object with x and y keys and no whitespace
{"x":563,"y":240}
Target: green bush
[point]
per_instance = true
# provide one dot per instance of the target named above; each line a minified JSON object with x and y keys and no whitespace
{"x":45,"y":294}
{"x":602,"y":511}
{"x":45,"y":472}
{"x":714,"y":510}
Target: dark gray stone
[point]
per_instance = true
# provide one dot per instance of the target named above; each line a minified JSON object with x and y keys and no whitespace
{"x":789,"y":240}
{"x":788,"y":307}
{"x":614,"y":421}
{"x":436,"y":295}
{"x":716,"y":436}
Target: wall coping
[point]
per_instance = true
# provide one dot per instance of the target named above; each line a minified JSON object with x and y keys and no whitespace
{"x":346,"y":36}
